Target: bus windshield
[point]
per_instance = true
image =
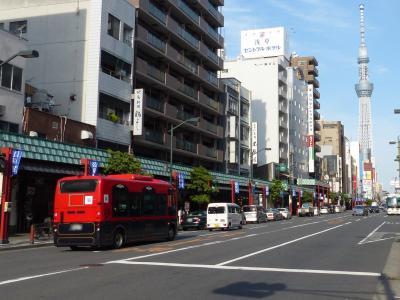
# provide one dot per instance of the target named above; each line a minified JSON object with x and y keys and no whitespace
{"x":393,"y":202}
{"x":78,"y":186}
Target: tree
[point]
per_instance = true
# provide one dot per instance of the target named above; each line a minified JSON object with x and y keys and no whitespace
{"x":334,"y":197}
{"x":275,"y":190}
{"x":368,"y":202}
{"x":122,"y":163}
{"x":307,"y":197}
{"x":200,"y":185}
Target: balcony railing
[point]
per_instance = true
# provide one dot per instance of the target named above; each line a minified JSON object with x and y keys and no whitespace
{"x":155,"y":73}
{"x":188,"y":90}
{"x":186,"y":145}
{"x":183,"y":115}
{"x":212,"y":78}
{"x":156,"y":42}
{"x":211,"y":152}
{"x":215,"y":12}
{"x":188,"y":11}
{"x":154,"y":136}
{"x":154,"y":103}
{"x":212,"y":55}
{"x":189,"y":64}
{"x":157,"y":13}
{"x":191,"y":39}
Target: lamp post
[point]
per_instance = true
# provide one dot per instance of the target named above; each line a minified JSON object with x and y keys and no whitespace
{"x":23,"y":53}
{"x":398,"y":153}
{"x":171,"y":131}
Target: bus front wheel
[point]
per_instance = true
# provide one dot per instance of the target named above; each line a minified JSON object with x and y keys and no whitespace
{"x":118,"y":241}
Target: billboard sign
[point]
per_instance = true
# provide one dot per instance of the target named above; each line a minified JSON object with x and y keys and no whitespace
{"x":267,"y":42}
{"x":310,"y":121}
{"x":138,"y":112}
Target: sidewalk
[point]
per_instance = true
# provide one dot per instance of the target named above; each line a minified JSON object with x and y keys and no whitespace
{"x":22,"y":241}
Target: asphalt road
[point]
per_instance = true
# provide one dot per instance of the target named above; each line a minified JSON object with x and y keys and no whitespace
{"x":329,"y":257}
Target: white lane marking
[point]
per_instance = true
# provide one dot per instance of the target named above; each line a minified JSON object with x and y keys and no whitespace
{"x":279,"y":245}
{"x":378,"y":240}
{"x":373,"y":231}
{"x":358,"y":220}
{"x":40,"y":275}
{"x":218,"y":267}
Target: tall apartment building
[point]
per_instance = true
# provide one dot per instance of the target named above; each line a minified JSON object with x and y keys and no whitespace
{"x":176,"y":66}
{"x":237,"y":101}
{"x":85,"y":63}
{"x":262,"y":69}
{"x":297,"y":98}
{"x":333,"y":153}
{"x":12,"y":82}
{"x":309,"y":64}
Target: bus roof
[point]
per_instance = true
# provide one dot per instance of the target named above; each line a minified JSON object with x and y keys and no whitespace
{"x":128,"y":177}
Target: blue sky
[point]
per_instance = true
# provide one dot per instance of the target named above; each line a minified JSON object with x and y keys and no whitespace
{"x":329,"y":30}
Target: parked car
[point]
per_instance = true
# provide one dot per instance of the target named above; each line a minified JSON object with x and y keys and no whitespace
{"x":375,"y":209}
{"x":360,"y":210}
{"x":273,"y":214}
{"x":338,"y":209}
{"x":224,"y":216}
{"x":316,"y":211}
{"x":286,"y":214}
{"x":254,"y":213}
{"x":324,"y":210}
{"x":195,"y":220}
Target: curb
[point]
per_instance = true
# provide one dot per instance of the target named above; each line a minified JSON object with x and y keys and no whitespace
{"x":25,"y":246}
{"x":389,"y":285}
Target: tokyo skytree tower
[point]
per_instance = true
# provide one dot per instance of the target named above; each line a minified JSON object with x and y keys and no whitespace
{"x":364,"y":90}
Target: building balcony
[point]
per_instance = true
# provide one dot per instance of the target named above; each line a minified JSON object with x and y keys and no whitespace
{"x":185,"y":36}
{"x":182,"y":88}
{"x":282,"y":92}
{"x":212,"y":35}
{"x":316,"y":94}
{"x":154,"y":103}
{"x":152,"y":10}
{"x":316,"y":115}
{"x":113,"y":132}
{"x":317,"y":137}
{"x":211,"y":57}
{"x":115,"y":87}
{"x":283,"y":107}
{"x":317,"y":126}
{"x":316,"y":83}
{"x":245,"y":119}
{"x":171,"y":111}
{"x":210,"y":78}
{"x":313,"y":69}
{"x":186,"y":10}
{"x":215,"y":16}
{"x":186,"y":145}
{"x":204,"y":99}
{"x":283,"y":124}
{"x":316,"y":104}
{"x":156,"y":45}
{"x":212,"y":128}
{"x":282,"y":78}
{"x":150,"y":71}
{"x":317,"y":148}
{"x":283,"y":138}
{"x":154,"y":136}
{"x":245,"y":142}
{"x":184,"y":115}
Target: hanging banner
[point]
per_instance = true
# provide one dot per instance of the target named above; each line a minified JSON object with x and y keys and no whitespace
{"x":181,"y":181}
{"x":267,"y":190}
{"x":94,"y":167}
{"x":16,"y":159}
{"x":138,"y":112}
{"x":254,"y":142}
{"x":236,"y":187}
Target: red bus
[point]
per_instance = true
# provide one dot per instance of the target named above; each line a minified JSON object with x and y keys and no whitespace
{"x":112,"y":210}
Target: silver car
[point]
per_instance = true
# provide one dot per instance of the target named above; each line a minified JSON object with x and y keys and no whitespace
{"x":286,"y":214}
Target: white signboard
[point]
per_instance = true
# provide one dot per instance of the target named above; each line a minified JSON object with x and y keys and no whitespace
{"x":138,"y":112}
{"x":310,"y":122}
{"x":254,"y":142}
{"x":264,"y":42}
{"x":232,"y":126}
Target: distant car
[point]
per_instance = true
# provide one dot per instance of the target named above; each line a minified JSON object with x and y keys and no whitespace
{"x":324,"y":210}
{"x":195,"y":220}
{"x":375,"y":209}
{"x":273,"y":214}
{"x":254,"y":213}
{"x":316,"y":211}
{"x":286,"y":214}
{"x":360,"y":210}
{"x":338,"y":209}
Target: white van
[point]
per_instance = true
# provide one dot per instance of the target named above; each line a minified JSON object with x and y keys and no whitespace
{"x":224,"y":216}
{"x":254,"y":213}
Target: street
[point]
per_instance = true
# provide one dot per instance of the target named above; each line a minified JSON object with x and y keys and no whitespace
{"x":337,"y":256}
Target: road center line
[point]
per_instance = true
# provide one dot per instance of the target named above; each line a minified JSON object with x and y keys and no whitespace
{"x":280,"y":245}
{"x":219,"y":267}
{"x":40,"y":275}
{"x":373,"y":231}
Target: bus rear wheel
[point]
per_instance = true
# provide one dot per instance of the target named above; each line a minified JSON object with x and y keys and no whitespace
{"x":118,"y":240}
{"x":171,"y":233}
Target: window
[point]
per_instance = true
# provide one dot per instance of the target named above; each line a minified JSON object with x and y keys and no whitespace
{"x":115,"y":67}
{"x":113,"y":26}
{"x":149,"y":204}
{"x":16,"y":78}
{"x":161,"y":205}
{"x":8,"y":127}
{"x":128,"y":35}
{"x":120,"y":201}
{"x":135,"y":201}
{"x":2,"y":26}
{"x":6,"y":71}
{"x":18,"y":27}
{"x":78,"y":186}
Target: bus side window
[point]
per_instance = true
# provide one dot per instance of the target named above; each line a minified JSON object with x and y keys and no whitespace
{"x":149,"y":204}
{"x":120,"y":201}
{"x":134,"y":201}
{"x":161,"y":205}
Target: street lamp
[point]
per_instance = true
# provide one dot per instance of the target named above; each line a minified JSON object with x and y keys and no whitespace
{"x":398,"y":151}
{"x":171,"y":131}
{"x":23,"y":53}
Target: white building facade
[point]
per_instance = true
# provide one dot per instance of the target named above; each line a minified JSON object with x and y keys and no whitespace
{"x":12,"y":82}
{"x":86,"y":59}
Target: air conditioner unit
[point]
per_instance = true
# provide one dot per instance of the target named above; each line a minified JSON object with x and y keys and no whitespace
{"x":86,"y":135}
{"x":2,"y":110}
{"x":33,"y":133}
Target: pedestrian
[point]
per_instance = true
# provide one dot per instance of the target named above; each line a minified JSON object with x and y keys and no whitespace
{"x":180,"y":215}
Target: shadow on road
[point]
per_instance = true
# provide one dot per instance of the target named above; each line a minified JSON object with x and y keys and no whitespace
{"x":250,"y":290}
